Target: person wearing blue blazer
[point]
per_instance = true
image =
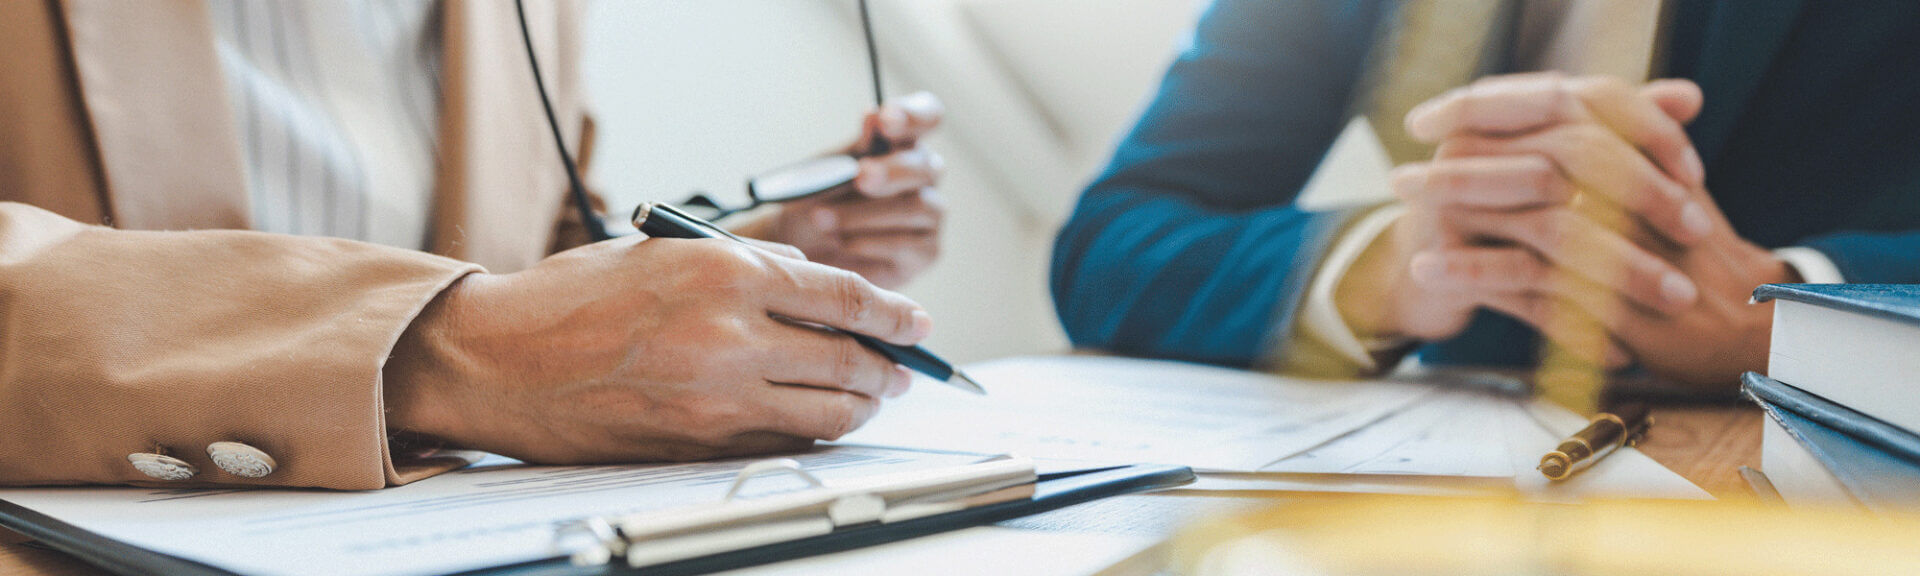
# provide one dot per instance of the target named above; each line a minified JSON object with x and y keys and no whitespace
{"x":1583,"y":215}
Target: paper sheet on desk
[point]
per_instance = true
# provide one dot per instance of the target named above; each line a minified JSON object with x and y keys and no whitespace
{"x":1450,"y":433}
{"x":1124,"y":410}
{"x":1527,"y":428}
{"x":468,"y":519}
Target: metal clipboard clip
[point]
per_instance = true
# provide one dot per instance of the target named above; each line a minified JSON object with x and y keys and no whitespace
{"x":734,"y":523}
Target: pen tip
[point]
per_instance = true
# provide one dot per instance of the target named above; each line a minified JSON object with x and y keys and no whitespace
{"x":962,"y":381}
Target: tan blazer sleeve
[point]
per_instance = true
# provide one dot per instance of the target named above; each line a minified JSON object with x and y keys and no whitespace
{"x":115,"y":342}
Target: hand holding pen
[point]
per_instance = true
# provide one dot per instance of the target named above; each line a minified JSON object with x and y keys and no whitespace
{"x":637,"y":349}
{"x":664,"y":221}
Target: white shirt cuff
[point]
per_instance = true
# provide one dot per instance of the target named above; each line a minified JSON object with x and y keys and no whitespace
{"x":1319,"y":316}
{"x":1814,"y":266}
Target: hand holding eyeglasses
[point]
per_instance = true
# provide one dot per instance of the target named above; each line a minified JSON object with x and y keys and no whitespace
{"x":885,"y":225}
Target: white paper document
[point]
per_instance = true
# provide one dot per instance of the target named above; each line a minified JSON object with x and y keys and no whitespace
{"x":1451,"y":433}
{"x":1121,"y":410}
{"x":1442,"y":433}
{"x":498,"y":512}
{"x":1526,"y":429}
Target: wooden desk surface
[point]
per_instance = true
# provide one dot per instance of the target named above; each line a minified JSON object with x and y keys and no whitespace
{"x":20,"y":559}
{"x":1704,"y":444}
{"x":1707,"y":445}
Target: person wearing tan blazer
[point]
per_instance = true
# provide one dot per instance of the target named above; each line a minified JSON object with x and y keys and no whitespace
{"x":148,"y":337}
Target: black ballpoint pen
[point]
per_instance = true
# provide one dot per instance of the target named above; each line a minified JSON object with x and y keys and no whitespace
{"x":665,"y":221}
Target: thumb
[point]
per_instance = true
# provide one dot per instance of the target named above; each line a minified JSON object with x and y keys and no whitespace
{"x":1680,"y":99}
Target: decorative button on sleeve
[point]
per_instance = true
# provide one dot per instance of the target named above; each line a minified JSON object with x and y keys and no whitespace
{"x":240,"y":459}
{"x":161,"y":466}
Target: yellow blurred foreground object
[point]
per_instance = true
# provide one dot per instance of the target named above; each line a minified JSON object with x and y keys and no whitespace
{"x":1398,"y":535}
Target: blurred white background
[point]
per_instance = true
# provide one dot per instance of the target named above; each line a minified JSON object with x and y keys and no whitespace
{"x":696,"y":94}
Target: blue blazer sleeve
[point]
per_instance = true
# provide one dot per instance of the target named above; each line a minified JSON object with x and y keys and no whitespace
{"x":1189,"y":245}
{"x":1873,"y":257}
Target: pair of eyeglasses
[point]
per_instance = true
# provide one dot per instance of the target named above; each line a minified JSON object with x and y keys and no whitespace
{"x":785,"y":184}
{"x":794,"y":182}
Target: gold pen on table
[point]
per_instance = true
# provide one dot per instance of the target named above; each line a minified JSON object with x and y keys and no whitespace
{"x":1606,"y":433}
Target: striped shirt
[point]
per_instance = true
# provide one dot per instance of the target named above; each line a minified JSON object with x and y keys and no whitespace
{"x":336,"y":103}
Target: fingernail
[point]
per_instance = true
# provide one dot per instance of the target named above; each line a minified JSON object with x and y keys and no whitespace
{"x":1426,"y":269}
{"x":893,"y":122}
{"x":1677,"y":289}
{"x":921,"y":99}
{"x":873,"y":175}
{"x":902,"y":382}
{"x":1424,"y":122}
{"x":1696,"y":171}
{"x":1695,"y":220}
{"x":825,"y":219}
{"x":1417,"y":123}
{"x":922,"y":325}
{"x":1672,"y":190}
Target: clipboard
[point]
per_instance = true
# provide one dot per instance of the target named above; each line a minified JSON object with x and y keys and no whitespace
{"x":1050,"y":491}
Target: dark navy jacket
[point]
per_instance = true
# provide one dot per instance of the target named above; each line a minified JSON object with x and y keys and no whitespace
{"x":1189,"y":245}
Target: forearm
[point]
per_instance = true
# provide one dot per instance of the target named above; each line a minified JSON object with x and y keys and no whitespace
{"x":124,"y":342}
{"x":1154,"y":275}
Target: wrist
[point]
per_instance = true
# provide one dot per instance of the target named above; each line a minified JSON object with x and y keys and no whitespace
{"x":1367,"y":295}
{"x":1785,"y":272}
{"x":1770,"y":267}
{"x":425,"y":364}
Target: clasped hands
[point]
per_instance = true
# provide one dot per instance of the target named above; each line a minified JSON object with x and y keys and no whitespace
{"x":1578,"y":206}
{"x":639,"y":349}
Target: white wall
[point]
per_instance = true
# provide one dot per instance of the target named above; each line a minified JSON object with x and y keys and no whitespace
{"x":695,"y":94}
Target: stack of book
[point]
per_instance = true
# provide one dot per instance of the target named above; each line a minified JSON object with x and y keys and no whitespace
{"x":1842,"y":395}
